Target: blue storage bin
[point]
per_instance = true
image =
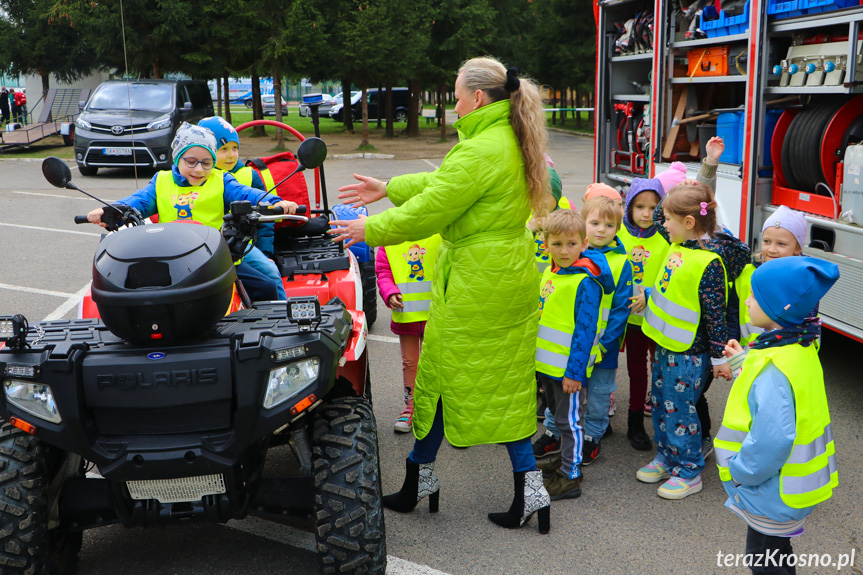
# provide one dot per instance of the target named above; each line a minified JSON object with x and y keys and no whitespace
{"x":727,"y":25}
{"x":345,"y":212}
{"x":786,"y":9}
{"x":729,"y":127}
{"x":815,"y":6}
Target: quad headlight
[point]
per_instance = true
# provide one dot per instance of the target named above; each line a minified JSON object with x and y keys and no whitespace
{"x":287,"y":381}
{"x":34,"y":398}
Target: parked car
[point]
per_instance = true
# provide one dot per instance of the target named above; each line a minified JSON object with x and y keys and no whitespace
{"x":401,"y":97}
{"x":269,"y":106}
{"x":327,"y":102}
{"x":336,"y":111}
{"x":132,"y":123}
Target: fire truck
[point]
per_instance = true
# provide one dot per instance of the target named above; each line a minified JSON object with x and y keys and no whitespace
{"x":778,"y":81}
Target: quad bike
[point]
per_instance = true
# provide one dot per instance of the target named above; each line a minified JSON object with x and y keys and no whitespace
{"x":179,"y":406}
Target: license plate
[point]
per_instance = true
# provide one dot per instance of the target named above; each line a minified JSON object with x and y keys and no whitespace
{"x":117,"y":151}
{"x":184,"y":489}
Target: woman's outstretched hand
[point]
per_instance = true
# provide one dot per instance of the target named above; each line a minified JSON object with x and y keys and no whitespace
{"x":352,"y":230}
{"x":368,"y":191}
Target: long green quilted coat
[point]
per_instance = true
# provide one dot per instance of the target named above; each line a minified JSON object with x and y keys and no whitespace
{"x":480,"y":339}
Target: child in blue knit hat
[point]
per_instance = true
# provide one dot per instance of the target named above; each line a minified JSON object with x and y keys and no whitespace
{"x":227,"y":160}
{"x":775,"y":449}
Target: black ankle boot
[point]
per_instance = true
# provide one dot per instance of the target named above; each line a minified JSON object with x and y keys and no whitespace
{"x":530,"y":497}
{"x":635,"y":433}
{"x":420,"y":481}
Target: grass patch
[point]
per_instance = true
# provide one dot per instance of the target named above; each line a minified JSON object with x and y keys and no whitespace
{"x":586,"y":124}
{"x":51,"y":146}
{"x":368,"y":148}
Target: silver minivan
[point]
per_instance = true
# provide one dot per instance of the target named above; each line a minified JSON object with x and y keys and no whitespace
{"x":132,"y":122}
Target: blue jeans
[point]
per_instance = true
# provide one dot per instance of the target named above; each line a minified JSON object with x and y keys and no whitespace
{"x":599,"y":387}
{"x":258,"y":261}
{"x":677,"y":383}
{"x":425,"y":449}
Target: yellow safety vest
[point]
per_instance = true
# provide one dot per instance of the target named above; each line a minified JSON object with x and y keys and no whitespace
{"x":269,"y":182}
{"x":743,"y":285}
{"x":615,"y":262}
{"x":543,"y":259}
{"x":244,"y":175}
{"x":646,"y":256}
{"x":412,"y":264}
{"x":557,"y":324}
{"x":674,"y":307}
{"x":810,"y":474}
{"x":204,"y":204}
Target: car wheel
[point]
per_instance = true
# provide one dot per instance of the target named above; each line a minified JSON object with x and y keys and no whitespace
{"x":69,"y":139}
{"x":87,"y":170}
{"x":401,"y":116}
{"x":248,"y":103}
{"x":350,"y":535}
{"x":26,"y":543}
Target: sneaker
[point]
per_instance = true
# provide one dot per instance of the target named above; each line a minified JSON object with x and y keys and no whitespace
{"x":648,"y":408}
{"x":546,"y":445}
{"x":608,"y":431}
{"x":706,"y":446}
{"x":589,"y":452}
{"x":611,"y":406}
{"x":404,"y":422}
{"x":653,"y":472}
{"x":540,"y":405}
{"x":561,"y":487}
{"x":549,"y":466}
{"x":678,"y":488}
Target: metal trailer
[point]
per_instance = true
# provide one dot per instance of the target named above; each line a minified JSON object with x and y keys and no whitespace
{"x":787,"y":57}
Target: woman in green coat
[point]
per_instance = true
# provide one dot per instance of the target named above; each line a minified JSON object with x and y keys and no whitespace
{"x":475,"y":379}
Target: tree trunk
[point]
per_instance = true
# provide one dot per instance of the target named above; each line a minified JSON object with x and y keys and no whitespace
{"x":218,"y":96}
{"x":563,"y":100}
{"x":226,"y":82}
{"x":575,"y":104}
{"x":347,"y":116}
{"x":365,"y":113}
{"x":442,"y":104}
{"x":554,"y":106}
{"x":390,"y":133}
{"x":277,"y":102}
{"x":257,"y":112}
{"x":413,"y":127}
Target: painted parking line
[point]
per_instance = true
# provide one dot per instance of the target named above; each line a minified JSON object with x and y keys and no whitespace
{"x":430,"y":164}
{"x":38,"y":229}
{"x":67,"y":305}
{"x":36,"y":291}
{"x":306,"y":541}
{"x":384,"y":338}
{"x":58,"y":196}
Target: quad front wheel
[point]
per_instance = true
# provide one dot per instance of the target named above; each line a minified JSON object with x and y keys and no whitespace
{"x":27,"y":546}
{"x":349,"y":520}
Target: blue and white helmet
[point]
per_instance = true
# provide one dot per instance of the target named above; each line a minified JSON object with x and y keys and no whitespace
{"x":222,"y":129}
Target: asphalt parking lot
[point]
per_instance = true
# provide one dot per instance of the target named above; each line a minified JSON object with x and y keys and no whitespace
{"x":618,"y":526}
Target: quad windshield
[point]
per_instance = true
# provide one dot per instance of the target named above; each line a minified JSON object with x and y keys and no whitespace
{"x":154,"y":97}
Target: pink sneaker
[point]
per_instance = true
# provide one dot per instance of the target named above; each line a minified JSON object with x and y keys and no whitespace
{"x":678,"y":488}
{"x":653,"y":472}
{"x":648,"y":407}
{"x":611,"y":406}
{"x":404,"y":422}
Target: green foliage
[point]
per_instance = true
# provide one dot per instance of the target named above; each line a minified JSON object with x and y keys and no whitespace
{"x":33,"y":41}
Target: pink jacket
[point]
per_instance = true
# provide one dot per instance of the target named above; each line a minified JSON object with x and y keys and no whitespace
{"x":387,"y":287}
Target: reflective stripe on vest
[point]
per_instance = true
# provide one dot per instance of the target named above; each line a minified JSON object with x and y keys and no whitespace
{"x":674,"y":307}
{"x":557,"y":324}
{"x":269,"y":182}
{"x":742,"y":286}
{"x":646,"y":256}
{"x":810,"y":473}
{"x":204,"y":204}
{"x":412,"y":265}
{"x":616,"y":262}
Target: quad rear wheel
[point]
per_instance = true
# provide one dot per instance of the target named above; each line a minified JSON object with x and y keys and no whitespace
{"x":27,"y":546}
{"x":349,"y":521}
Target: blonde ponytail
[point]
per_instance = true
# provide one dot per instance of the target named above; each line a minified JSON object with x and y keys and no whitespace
{"x":527,"y":118}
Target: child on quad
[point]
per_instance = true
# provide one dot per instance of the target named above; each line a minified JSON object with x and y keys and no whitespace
{"x":227,"y":160}
{"x":191,"y":190}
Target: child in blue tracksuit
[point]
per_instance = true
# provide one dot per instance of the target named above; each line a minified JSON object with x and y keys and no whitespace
{"x":186,"y":192}
{"x":603,"y":218}
{"x":227,"y":160}
{"x":775,"y":449}
{"x":568,"y":339}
